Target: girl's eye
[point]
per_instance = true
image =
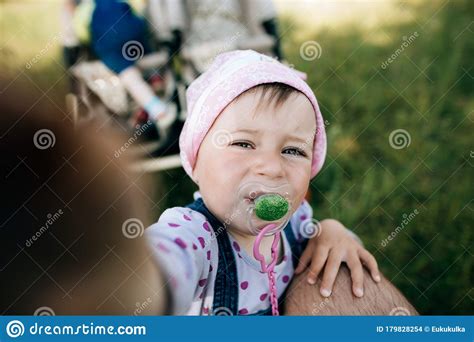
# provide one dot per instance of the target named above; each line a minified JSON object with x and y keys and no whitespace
{"x":242,"y":144}
{"x":295,"y":151}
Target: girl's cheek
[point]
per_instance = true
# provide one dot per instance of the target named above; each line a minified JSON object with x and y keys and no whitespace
{"x":300,"y":186}
{"x":235,"y":158}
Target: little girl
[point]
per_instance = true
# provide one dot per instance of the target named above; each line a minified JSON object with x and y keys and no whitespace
{"x":253,"y":127}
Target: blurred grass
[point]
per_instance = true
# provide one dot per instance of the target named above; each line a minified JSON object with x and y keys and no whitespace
{"x":30,"y":29}
{"x":365,"y":183}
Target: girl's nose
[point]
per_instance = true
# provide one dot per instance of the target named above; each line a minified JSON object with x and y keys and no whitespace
{"x":269,"y":164}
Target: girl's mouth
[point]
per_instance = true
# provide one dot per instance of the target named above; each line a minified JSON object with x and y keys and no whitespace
{"x":253,"y":196}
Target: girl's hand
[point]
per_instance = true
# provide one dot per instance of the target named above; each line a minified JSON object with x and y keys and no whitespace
{"x":333,"y":246}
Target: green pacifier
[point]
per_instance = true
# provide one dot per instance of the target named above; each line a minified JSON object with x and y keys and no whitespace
{"x":265,"y":204}
{"x":271,"y":207}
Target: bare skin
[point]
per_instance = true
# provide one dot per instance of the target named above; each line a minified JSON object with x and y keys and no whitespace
{"x":381,"y":298}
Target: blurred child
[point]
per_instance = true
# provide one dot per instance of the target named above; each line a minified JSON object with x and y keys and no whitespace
{"x":117,"y":34}
{"x":119,"y":37}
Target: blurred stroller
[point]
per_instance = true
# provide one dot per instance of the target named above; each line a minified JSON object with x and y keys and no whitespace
{"x":186,"y":36}
{"x":208,"y":28}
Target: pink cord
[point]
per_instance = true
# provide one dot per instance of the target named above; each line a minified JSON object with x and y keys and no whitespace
{"x":269,"y":269}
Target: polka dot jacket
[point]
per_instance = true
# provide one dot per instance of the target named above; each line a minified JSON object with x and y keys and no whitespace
{"x":185,"y":246}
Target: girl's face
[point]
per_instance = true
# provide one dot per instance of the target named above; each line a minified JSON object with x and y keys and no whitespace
{"x":268,"y":144}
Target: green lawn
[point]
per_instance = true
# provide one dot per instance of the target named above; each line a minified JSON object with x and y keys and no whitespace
{"x":369,"y":185}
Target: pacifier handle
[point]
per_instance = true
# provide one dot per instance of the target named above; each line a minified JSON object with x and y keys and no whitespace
{"x":256,"y":248}
{"x":269,"y":269}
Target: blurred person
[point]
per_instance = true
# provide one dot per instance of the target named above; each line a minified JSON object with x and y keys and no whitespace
{"x":117,"y":34}
{"x":71,"y":218}
{"x":119,"y":37}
